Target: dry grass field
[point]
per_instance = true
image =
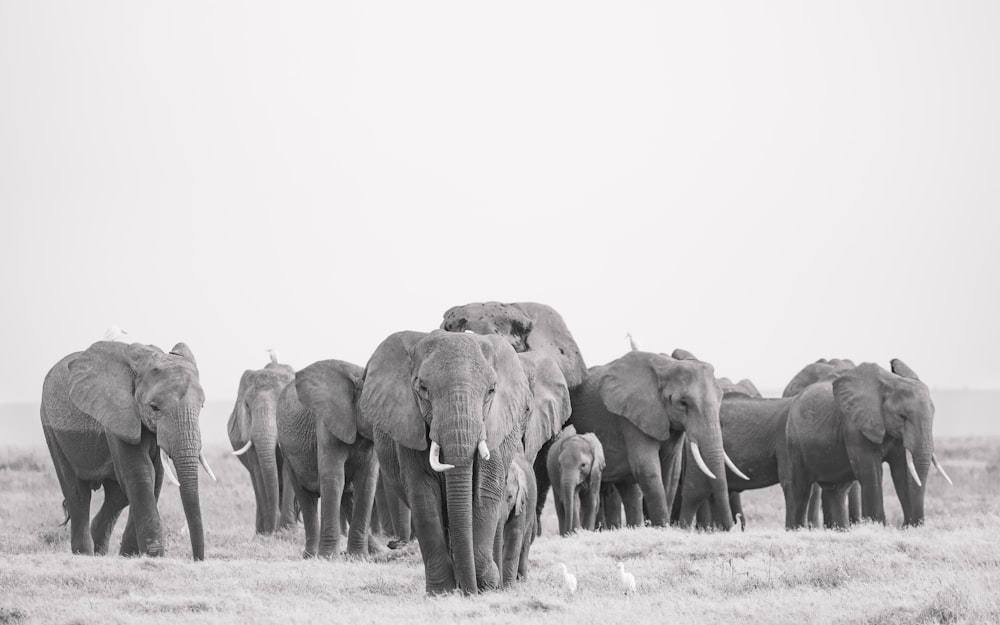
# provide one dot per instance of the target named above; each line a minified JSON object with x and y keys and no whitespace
{"x":945,"y":572}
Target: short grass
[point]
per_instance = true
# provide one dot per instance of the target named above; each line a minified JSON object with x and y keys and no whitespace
{"x":945,"y":572}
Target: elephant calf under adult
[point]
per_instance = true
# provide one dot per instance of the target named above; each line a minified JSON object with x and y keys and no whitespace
{"x":108,"y":413}
{"x":327,"y":448}
{"x":465,"y":397}
{"x":575,"y":463}
{"x":639,"y":406}
{"x":517,"y":522}
{"x":253,"y":433}
{"x":844,"y":430}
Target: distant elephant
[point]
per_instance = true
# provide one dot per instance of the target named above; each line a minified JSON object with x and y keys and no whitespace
{"x":253,"y":434}
{"x":517,"y":521}
{"x":753,"y":433}
{"x":744,"y":387}
{"x":533,"y":328}
{"x":466,"y":398}
{"x":825,"y":370}
{"x":639,"y":406}
{"x":843,"y":430}
{"x":329,"y":450}
{"x":108,"y":413}
{"x":575,"y":463}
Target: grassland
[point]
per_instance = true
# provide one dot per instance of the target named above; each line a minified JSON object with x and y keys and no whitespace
{"x":945,"y":572}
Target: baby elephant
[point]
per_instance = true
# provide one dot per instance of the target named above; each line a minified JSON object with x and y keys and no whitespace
{"x":517,"y":521}
{"x":575,"y":463}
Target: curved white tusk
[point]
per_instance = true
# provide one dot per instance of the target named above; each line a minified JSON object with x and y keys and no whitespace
{"x":436,"y":463}
{"x":484,"y":451}
{"x":700,"y":462}
{"x":166,"y":469}
{"x":913,"y":469}
{"x":732,"y":467}
{"x":937,"y":465}
{"x":204,"y":462}
{"x":244,"y":449}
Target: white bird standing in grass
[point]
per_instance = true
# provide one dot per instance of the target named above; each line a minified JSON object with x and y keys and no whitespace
{"x":627,"y":579}
{"x":569,"y":580}
{"x":740,"y":523}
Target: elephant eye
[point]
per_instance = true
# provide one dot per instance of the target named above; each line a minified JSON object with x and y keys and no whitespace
{"x":154,"y":407}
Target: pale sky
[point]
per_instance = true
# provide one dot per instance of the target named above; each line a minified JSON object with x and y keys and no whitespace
{"x":762,"y":184}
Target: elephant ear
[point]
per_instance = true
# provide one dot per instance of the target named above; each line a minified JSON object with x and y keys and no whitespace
{"x":327,"y":389}
{"x":387,"y":398}
{"x":630,"y":387}
{"x":550,"y":404}
{"x":511,"y":402}
{"x":182,"y":350}
{"x":682,"y":354}
{"x":858,"y":395}
{"x":239,"y":418}
{"x":598,"y":448}
{"x":900,"y":368}
{"x":102,"y":384}
{"x":549,"y":334}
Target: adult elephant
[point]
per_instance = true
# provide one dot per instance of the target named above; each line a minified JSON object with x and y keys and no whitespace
{"x":253,"y":433}
{"x":108,"y":414}
{"x":464,"y":397}
{"x":639,"y":406}
{"x":529,"y":327}
{"x":327,"y":449}
{"x":843,"y":430}
{"x":821,"y":370}
{"x":753,"y":433}
{"x":575,"y":464}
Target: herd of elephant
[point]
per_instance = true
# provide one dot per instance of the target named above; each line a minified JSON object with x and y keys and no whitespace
{"x":455,"y":436}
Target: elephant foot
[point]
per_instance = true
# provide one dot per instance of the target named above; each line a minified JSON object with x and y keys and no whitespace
{"x":398,"y":544}
{"x":308,"y":555}
{"x":374,"y":548}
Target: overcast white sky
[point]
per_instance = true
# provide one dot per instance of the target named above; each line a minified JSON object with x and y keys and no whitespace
{"x":760,"y":183}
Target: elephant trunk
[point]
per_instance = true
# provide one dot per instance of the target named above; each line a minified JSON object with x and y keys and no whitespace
{"x":187,"y":475}
{"x":567,"y":491}
{"x":458,"y":482}
{"x":709,"y":442}
{"x":181,"y":439}
{"x":921,"y":463}
{"x":265,"y":441}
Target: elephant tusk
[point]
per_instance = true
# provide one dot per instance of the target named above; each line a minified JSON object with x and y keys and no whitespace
{"x":912,"y":468}
{"x":166,"y":469}
{"x":484,"y":451}
{"x":732,"y":467}
{"x":699,"y":461}
{"x":937,"y":465}
{"x":204,"y":462}
{"x":244,"y":449}
{"x":436,"y":463}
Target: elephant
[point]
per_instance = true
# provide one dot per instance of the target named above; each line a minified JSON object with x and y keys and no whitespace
{"x":843,"y":430}
{"x":253,"y":434}
{"x":109,"y":413}
{"x":328,"y":450}
{"x":530,"y":328}
{"x":820,"y":370}
{"x":517,"y":522}
{"x":744,"y":387}
{"x":639,"y":406}
{"x":465,"y":398}
{"x":390,"y":516}
{"x":753,"y":433}
{"x":575,"y":463}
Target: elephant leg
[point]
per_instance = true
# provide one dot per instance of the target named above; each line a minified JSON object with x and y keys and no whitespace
{"x":498,"y":549}
{"x":834,"y":501}
{"x":136,"y":474}
{"x":644,"y":459}
{"x":796,"y":485}
{"x":105,"y":519}
{"x":540,"y":469}
{"x":589,"y":502}
{"x":631,"y":498}
{"x":814,"y":506}
{"x":703,"y":515}
{"x":870,"y":476}
{"x":426,"y":504}
{"x":513,"y":541}
{"x":854,"y":502}
{"x":611,"y":504}
{"x":287,"y":498}
{"x":331,"y":493}
{"x":364,"y":475}
{"x":381,"y":519}
{"x":76,"y":498}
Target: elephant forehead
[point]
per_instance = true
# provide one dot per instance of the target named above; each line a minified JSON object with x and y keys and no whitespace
{"x":180,"y":380}
{"x":271,"y":380}
{"x":453,"y":355}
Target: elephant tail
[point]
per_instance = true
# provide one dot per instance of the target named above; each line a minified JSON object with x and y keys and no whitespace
{"x":66,"y":512}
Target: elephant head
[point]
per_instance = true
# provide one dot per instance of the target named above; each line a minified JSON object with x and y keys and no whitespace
{"x":660,"y":394}
{"x":126,"y":387}
{"x":550,"y":404}
{"x":253,"y":431}
{"x":882,"y":405}
{"x":822,"y":370}
{"x":527,"y":326}
{"x":744,"y":387}
{"x":464,"y":396}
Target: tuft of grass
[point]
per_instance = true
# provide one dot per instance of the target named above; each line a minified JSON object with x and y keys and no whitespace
{"x":10,"y":615}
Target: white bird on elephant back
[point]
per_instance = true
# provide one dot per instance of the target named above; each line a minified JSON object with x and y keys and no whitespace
{"x":114,"y":333}
{"x":627,"y":579}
